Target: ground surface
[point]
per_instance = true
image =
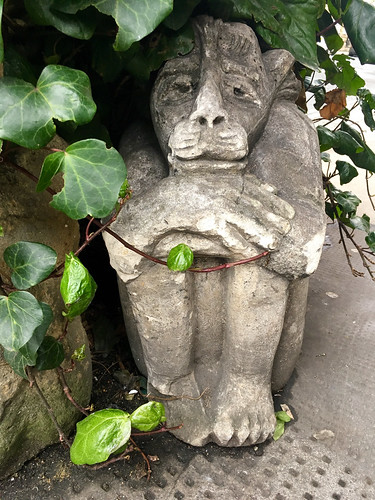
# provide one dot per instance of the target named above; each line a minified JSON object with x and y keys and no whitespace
{"x":327,"y":453}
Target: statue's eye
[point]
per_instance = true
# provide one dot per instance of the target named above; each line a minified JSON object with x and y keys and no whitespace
{"x":238,"y":92}
{"x":184,"y":87}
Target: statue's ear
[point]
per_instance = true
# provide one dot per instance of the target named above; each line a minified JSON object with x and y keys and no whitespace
{"x":279,"y":66}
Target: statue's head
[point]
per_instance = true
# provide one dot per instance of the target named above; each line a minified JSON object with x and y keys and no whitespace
{"x":209,"y":107}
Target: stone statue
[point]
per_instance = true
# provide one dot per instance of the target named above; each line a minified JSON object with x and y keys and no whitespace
{"x":238,"y":173}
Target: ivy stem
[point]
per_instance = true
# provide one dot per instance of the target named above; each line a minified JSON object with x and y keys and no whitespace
{"x":34,"y":383}
{"x":67,"y":392}
{"x":137,"y":448}
{"x":162,"y":429}
{"x":124,"y":456}
{"x":28,"y":174}
{"x":327,"y":28}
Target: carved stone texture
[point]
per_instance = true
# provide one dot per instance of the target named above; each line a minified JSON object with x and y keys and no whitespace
{"x":244,"y":177}
{"x":25,"y":426}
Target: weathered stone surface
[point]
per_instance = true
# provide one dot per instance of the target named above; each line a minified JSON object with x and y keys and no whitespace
{"x":25,"y":427}
{"x":244,"y":177}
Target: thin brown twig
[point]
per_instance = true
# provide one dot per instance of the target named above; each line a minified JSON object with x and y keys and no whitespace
{"x":370,"y":196}
{"x":123,"y":456}
{"x":327,"y":28}
{"x":159,"y":431}
{"x":67,"y":392}
{"x":34,"y":383}
{"x":137,"y":448}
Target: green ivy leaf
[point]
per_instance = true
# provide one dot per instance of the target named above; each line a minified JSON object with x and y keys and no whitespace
{"x":347,"y":78}
{"x":364,"y":159}
{"x":135,"y":18}
{"x":279,"y":430}
{"x":27,"y":112}
{"x":347,"y":201}
{"x":31,"y":263}
{"x":359,"y":22}
{"x":370,"y":240}
{"x":45,"y":13}
{"x":361,"y":223}
{"x":20,"y":315}
{"x":182,"y":10}
{"x":283,"y":416}
{"x":17,"y":66}
{"x":50,"y":354}
{"x":17,"y":361}
{"x":99,"y":435}
{"x":77,"y":287}
{"x":79,"y":354}
{"x":29,"y":350}
{"x":333,"y":40}
{"x":346,"y":170}
{"x":1,"y":231}
{"x":180,"y":258}
{"x":148,"y":416}
{"x":92,"y":180}
{"x":367,"y":100}
{"x":327,"y":138}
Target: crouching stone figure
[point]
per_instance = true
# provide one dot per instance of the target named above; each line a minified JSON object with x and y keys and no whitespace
{"x":237,"y":173}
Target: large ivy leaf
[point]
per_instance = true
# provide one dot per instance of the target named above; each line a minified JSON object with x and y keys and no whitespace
{"x":148,"y":416}
{"x":29,"y":350}
{"x":27,"y":112}
{"x":20,"y":315}
{"x":364,"y":158}
{"x":286,"y":24}
{"x":135,"y":18}
{"x":93,"y":176}
{"x":180,"y":258}
{"x":99,"y":435}
{"x":44,"y":12}
{"x":31,"y":263}
{"x":347,"y":78}
{"x":77,"y":287}
{"x":50,"y":354}
{"x":17,"y":66}
{"x":359,"y":22}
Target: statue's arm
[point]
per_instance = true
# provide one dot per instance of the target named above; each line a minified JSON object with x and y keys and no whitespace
{"x":288,"y":157}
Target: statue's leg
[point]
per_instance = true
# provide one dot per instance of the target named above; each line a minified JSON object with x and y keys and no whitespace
{"x":160,"y":302}
{"x":290,"y":344}
{"x":255,"y":310}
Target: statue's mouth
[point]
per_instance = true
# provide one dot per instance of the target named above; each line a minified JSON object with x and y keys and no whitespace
{"x":203,"y":164}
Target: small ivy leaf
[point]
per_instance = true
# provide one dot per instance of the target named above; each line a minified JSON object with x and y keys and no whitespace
{"x":29,"y":350}
{"x":17,"y":362}
{"x":347,"y":78}
{"x":1,"y":231}
{"x":347,"y":201}
{"x":361,"y":223}
{"x":50,"y":354}
{"x":27,"y":112}
{"x":180,"y":258}
{"x":367,"y":100}
{"x":79,"y":354}
{"x":347,"y":172}
{"x":370,"y":240}
{"x":20,"y":315}
{"x":31,"y":263}
{"x":279,"y":430}
{"x":148,"y":416}
{"x":364,"y":158}
{"x":326,"y":157}
{"x":327,"y":138}
{"x":93,"y":176}
{"x":77,"y":287}
{"x":99,"y":435}
{"x":283,"y":416}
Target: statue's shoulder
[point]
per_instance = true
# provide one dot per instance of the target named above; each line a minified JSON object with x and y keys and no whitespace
{"x":144,"y":160}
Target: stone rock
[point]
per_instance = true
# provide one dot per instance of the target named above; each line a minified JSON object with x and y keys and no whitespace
{"x":25,"y":426}
{"x":244,"y":178}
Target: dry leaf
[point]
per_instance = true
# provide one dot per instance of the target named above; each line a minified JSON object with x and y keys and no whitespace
{"x":287,"y":411}
{"x":335,"y":102}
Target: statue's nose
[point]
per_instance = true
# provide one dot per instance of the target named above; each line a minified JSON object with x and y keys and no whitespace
{"x":208,"y":108}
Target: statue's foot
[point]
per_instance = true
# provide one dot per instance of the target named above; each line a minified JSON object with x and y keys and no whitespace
{"x":244,"y":415}
{"x":186,"y":406}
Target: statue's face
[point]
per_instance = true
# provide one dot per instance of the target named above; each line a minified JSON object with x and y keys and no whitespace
{"x":210,"y":106}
